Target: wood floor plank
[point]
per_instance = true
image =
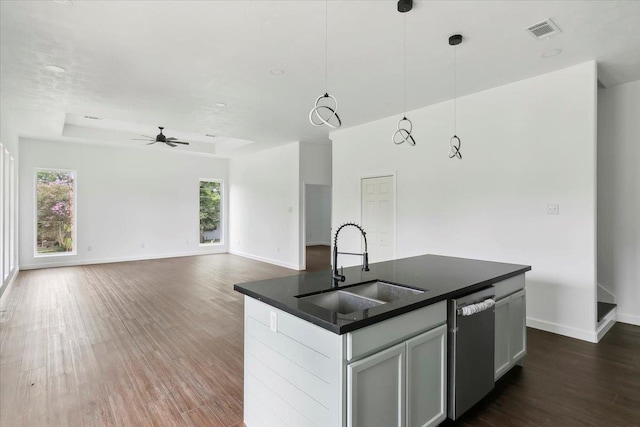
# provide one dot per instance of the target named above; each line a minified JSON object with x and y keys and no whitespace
{"x":202,"y":416}
{"x":318,"y":258}
{"x":160,"y":342}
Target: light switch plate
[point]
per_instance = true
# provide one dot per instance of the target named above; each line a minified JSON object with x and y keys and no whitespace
{"x":273,"y":321}
{"x":553,"y":209}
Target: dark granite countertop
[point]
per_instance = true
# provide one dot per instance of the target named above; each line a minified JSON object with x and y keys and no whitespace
{"x":442,"y":277}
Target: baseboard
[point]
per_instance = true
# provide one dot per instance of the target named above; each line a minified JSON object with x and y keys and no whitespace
{"x":73,"y":263}
{"x":267,"y":260}
{"x":567,"y":331}
{"x":606,"y":324}
{"x":605,"y":295}
{"x":318,"y":244}
{"x":628,"y":318}
{"x":9,"y":282}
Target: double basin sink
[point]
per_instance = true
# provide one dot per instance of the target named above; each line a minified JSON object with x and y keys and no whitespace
{"x":359,"y":297}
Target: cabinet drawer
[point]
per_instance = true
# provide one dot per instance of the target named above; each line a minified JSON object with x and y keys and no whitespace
{"x":508,"y":286}
{"x":400,"y":328}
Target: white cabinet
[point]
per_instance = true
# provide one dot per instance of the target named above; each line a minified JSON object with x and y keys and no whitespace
{"x":427,"y":378}
{"x":510,"y":332}
{"x":518,"y":326}
{"x":502,"y":357}
{"x":376,"y":389}
{"x":391,"y":373}
{"x":404,"y":385}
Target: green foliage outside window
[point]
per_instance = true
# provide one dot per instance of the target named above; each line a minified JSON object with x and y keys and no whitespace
{"x":209,"y":211}
{"x":55,"y":199}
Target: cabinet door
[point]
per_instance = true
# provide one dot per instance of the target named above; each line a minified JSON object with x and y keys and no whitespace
{"x":518,"y":325}
{"x":426,"y":378}
{"x":376,"y":389}
{"x":502,"y":356}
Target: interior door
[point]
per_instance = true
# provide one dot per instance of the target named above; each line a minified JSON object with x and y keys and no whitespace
{"x":378,"y":217}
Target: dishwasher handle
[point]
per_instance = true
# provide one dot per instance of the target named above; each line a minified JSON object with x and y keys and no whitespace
{"x":471,"y":309}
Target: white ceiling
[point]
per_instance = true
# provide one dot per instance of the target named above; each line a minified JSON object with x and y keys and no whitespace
{"x":168,"y":63}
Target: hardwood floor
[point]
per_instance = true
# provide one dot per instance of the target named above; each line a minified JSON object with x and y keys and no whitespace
{"x":130,"y":344}
{"x":161,"y":343}
{"x":318,"y":258}
{"x":568,"y":382}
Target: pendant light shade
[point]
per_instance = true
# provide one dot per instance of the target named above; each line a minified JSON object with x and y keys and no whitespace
{"x":455,"y":143}
{"x":324,"y":112}
{"x":405,"y":126}
{"x":325,"y":109}
{"x":403,"y":134}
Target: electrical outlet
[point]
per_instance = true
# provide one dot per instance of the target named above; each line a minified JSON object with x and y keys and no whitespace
{"x":142,"y":245}
{"x":553,"y":209}
{"x":278,"y":249}
{"x":89,"y":249}
{"x":273,"y":321}
{"x":290,"y":209}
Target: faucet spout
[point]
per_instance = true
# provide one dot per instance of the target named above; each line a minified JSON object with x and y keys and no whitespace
{"x":336,"y":276}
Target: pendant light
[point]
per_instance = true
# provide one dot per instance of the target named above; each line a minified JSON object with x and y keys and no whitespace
{"x":405,"y":127}
{"x":325,"y":109}
{"x":454,"y":142}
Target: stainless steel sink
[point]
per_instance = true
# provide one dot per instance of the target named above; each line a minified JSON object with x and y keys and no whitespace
{"x":341,"y":302}
{"x":360,"y":297}
{"x":382,"y":291}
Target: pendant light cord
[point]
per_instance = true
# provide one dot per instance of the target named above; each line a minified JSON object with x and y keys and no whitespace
{"x":404,"y":69}
{"x":455,"y":89}
{"x":326,"y":46}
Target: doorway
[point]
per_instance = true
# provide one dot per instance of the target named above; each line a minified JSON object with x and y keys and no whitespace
{"x":317,"y":230}
{"x":378,"y":210}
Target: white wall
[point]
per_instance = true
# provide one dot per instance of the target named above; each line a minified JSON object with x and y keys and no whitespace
{"x":318,"y":214}
{"x":125,"y":198}
{"x":524,"y":145}
{"x":264,"y":205}
{"x":619,"y":197}
{"x":315,"y":163}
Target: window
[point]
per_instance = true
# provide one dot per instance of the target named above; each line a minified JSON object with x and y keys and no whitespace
{"x":55,"y":212}
{"x":210,"y":212}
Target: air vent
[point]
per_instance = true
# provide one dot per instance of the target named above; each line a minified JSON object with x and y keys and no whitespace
{"x":92,"y":118}
{"x":544,"y":29}
{"x":209,"y":135}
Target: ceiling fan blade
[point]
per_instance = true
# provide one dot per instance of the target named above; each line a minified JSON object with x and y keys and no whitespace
{"x":147,"y":136}
{"x":140,"y":139}
{"x":171,"y":139}
{"x":180,"y":142}
{"x":170,"y":144}
{"x":151,"y":143}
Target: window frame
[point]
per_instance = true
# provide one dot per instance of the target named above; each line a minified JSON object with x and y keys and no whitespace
{"x":74,"y":232}
{"x":222,"y":213}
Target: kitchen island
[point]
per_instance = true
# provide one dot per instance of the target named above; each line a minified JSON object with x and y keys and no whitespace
{"x":313,"y":356}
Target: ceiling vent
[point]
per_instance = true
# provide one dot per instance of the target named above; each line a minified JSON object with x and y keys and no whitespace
{"x":543,"y":29}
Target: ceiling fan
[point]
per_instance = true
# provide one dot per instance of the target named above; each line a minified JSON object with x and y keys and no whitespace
{"x":171,"y":141}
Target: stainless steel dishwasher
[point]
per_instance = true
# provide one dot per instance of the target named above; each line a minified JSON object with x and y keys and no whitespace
{"x":471,"y":323}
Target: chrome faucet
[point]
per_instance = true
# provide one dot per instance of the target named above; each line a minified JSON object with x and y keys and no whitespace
{"x":339,"y":277}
